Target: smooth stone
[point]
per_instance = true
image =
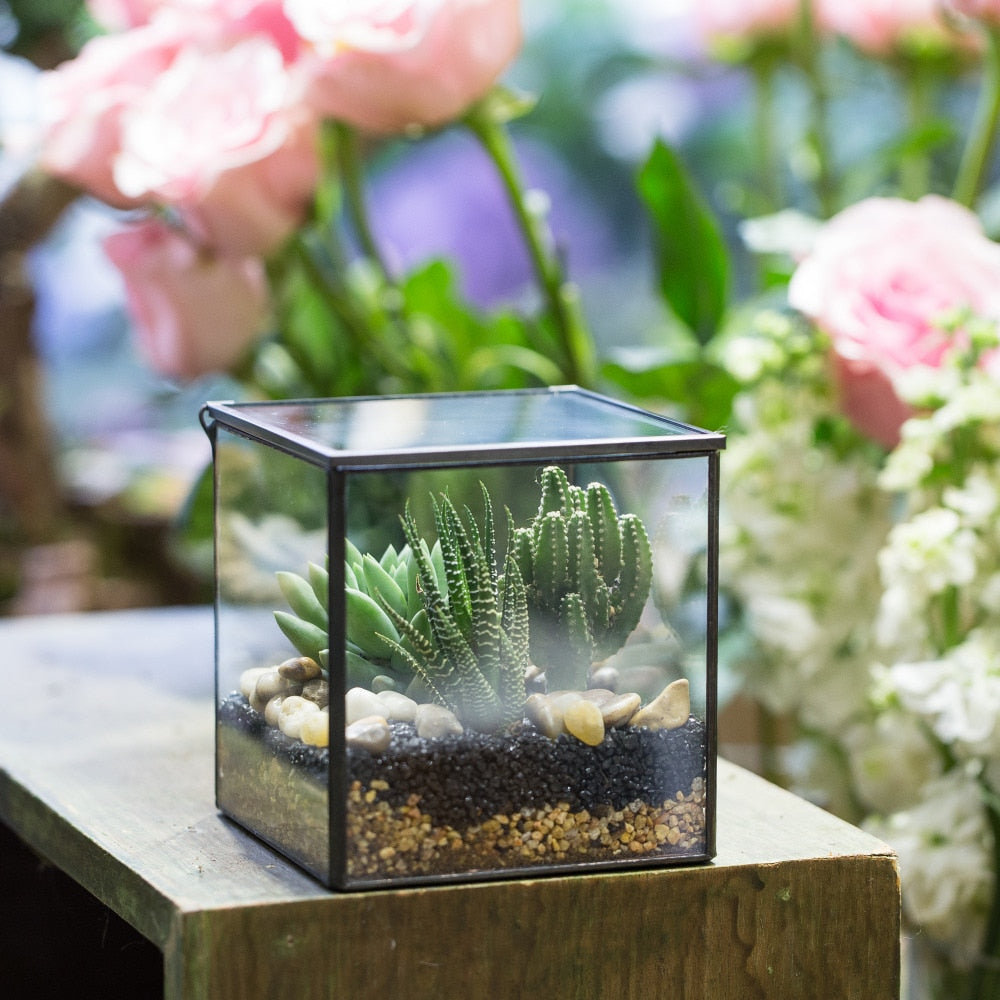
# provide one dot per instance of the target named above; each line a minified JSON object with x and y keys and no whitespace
{"x":670,"y":709}
{"x":268,"y":685}
{"x":300,"y":668}
{"x":398,"y":708}
{"x":605,"y":677}
{"x":249,"y":678}
{"x":292,"y":714}
{"x":317,"y":690}
{"x":583,"y":720}
{"x":316,"y":729}
{"x":372,"y":733}
{"x":272,"y":708}
{"x":383,"y":682}
{"x":539,"y":712}
{"x":599,"y":696}
{"x":434,"y":721}
{"x":619,"y":709}
{"x":359,"y":703}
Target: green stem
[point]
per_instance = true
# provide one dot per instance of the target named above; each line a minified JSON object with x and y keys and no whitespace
{"x":340,"y":303}
{"x":348,"y":155}
{"x":765,"y":74}
{"x":561,"y":297}
{"x":983,"y":135}
{"x":915,"y":168}
{"x":809,"y":52}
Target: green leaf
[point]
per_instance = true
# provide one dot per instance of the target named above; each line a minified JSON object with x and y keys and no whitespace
{"x":702,"y":390}
{"x":691,"y":253}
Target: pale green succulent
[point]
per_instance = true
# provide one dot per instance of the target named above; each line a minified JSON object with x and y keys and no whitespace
{"x":587,"y":573}
{"x":371,"y":585}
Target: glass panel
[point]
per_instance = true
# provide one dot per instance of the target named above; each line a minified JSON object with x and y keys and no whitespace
{"x":271,"y":517}
{"x":536,"y":759}
{"x":388,"y":425}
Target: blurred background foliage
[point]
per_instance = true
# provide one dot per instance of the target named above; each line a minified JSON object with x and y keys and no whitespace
{"x":646,"y":157}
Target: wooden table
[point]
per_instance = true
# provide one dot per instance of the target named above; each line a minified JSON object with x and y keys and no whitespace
{"x":106,"y":769}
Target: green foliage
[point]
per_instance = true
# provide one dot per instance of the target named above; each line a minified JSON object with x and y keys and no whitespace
{"x":443,"y":623}
{"x":476,"y":653}
{"x":587,"y":573}
{"x":691,"y":257}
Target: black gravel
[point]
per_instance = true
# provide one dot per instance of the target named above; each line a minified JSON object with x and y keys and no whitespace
{"x":464,"y":779}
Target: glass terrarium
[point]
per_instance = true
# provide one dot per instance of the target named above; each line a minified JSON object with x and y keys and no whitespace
{"x":466,"y":636}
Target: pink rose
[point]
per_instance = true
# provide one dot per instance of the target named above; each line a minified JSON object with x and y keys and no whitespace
{"x":387,"y":65}
{"x":987,"y":11}
{"x":741,"y":19}
{"x":195,"y":311}
{"x":883,"y":27}
{"x":83,"y":100}
{"x":880,"y":279}
{"x":222,"y":136}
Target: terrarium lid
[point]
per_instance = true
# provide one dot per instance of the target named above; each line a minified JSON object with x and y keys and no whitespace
{"x":498,"y":425}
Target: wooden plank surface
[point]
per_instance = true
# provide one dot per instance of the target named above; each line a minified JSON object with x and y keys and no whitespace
{"x":110,"y":775}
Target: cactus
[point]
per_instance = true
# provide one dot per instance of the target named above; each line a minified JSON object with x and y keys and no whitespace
{"x":587,"y":573}
{"x":476,"y":653}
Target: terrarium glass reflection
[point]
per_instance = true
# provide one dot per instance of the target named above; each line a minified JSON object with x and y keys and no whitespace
{"x":466,"y":636}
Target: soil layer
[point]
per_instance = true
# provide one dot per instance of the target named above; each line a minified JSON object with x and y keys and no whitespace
{"x":481,"y":802}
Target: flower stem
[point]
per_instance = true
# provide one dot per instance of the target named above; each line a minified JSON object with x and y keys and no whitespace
{"x":983,"y":135}
{"x":765,"y":78}
{"x":809,"y":51}
{"x":561,"y":297}
{"x":348,"y":155}
{"x":914,"y":170}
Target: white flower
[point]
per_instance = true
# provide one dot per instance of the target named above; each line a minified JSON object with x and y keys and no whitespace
{"x":977,"y":499}
{"x":931,"y":547}
{"x":958,"y":696}
{"x":945,"y":859}
{"x":891,"y":759}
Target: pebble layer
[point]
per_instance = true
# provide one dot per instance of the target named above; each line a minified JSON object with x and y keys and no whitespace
{"x":477,"y":802}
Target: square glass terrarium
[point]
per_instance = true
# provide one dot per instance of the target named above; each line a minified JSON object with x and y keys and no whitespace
{"x":466,"y":636}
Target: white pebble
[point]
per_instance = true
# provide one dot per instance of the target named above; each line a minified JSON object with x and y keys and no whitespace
{"x":433,"y":721}
{"x":670,"y":709}
{"x":248,"y":679}
{"x":316,"y":729}
{"x":359,"y":703}
{"x":397,"y":706}
{"x":293,"y":712}
{"x":268,"y":685}
{"x":371,"y":733}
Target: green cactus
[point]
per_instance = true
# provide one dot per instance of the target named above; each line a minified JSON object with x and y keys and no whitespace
{"x":474,"y":658}
{"x":587,"y":573}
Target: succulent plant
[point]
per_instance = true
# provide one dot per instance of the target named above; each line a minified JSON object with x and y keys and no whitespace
{"x":474,"y":656}
{"x":587,"y":573}
{"x":372,"y":657}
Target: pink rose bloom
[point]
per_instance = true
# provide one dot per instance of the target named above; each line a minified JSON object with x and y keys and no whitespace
{"x":195,"y":311}
{"x":882,"y":27}
{"x":880,"y":279}
{"x":987,"y":11}
{"x":387,"y":65}
{"x":222,"y":136}
{"x":83,"y":100}
{"x":724,"y":19}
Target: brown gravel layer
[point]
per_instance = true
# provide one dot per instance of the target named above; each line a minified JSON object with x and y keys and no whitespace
{"x":390,"y":841}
